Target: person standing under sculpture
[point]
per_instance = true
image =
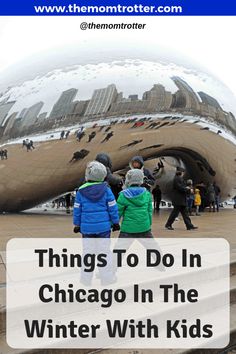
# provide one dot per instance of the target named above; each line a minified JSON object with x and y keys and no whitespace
{"x":234,"y":199}
{"x":156,"y":192}
{"x":217,"y":196}
{"x":203,"y":193}
{"x":115,"y":182}
{"x":68,"y":202}
{"x":211,"y":197}
{"x":190,"y":196}
{"x":149,"y":179}
{"x":179,"y":202}
{"x":197,"y":201}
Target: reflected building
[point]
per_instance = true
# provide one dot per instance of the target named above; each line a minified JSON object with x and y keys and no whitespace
{"x":185,"y":98}
{"x":16,"y":128}
{"x":31,"y":114}
{"x":107,"y":102}
{"x":9,"y":123}
{"x":209,"y":100}
{"x":4,"y":110}
{"x":128,"y":107}
{"x":155,"y":100}
{"x":158,"y":98}
{"x":156,"y":116}
{"x":77,"y":111}
{"x":64,"y":104}
{"x":101,"y":100}
{"x":79,"y":107}
{"x":211,"y":108}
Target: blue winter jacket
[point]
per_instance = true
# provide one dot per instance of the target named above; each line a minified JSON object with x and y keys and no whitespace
{"x":95,"y":208}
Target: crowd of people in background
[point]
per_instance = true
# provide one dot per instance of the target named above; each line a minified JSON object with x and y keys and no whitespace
{"x":188,"y":198}
{"x":105,"y":202}
{"x":201,"y":195}
{"x":195,"y":198}
{"x":26,"y":143}
{"x":80,"y":134}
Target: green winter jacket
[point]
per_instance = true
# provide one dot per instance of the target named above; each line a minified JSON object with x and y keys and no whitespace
{"x":135,"y":209}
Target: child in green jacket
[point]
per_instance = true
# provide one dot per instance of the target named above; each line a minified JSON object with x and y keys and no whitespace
{"x":135,"y":207}
{"x":135,"y":210}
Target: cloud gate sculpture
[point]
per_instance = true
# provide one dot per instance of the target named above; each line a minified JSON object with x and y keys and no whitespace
{"x":125,"y":104}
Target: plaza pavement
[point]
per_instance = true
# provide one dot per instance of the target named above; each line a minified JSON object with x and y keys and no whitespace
{"x":52,"y":223}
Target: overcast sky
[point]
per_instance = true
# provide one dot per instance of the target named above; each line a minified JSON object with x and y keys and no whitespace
{"x":207,"y":40}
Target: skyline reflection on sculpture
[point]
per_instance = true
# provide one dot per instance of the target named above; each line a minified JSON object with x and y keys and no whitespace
{"x":107,"y":103}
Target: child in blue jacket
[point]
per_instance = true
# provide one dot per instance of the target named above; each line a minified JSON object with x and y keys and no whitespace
{"x":95,"y":208}
{"x":95,"y":212}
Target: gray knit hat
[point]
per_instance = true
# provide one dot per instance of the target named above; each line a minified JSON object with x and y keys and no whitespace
{"x":134,"y":177}
{"x":95,"y":171}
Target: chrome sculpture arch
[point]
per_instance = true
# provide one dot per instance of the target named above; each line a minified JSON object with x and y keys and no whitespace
{"x":154,"y":108}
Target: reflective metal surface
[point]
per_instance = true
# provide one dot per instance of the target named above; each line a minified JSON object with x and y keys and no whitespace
{"x":154,"y":108}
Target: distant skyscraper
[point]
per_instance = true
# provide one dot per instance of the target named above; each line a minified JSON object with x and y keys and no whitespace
{"x":10,"y":122}
{"x":63,"y":105}
{"x":16,"y":127}
{"x":101,"y":100}
{"x":179,"y":100}
{"x":79,"y":107}
{"x":31,"y":114}
{"x":207,"y":99}
{"x":186,"y":97}
{"x":4,"y":109}
{"x":159,"y":99}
